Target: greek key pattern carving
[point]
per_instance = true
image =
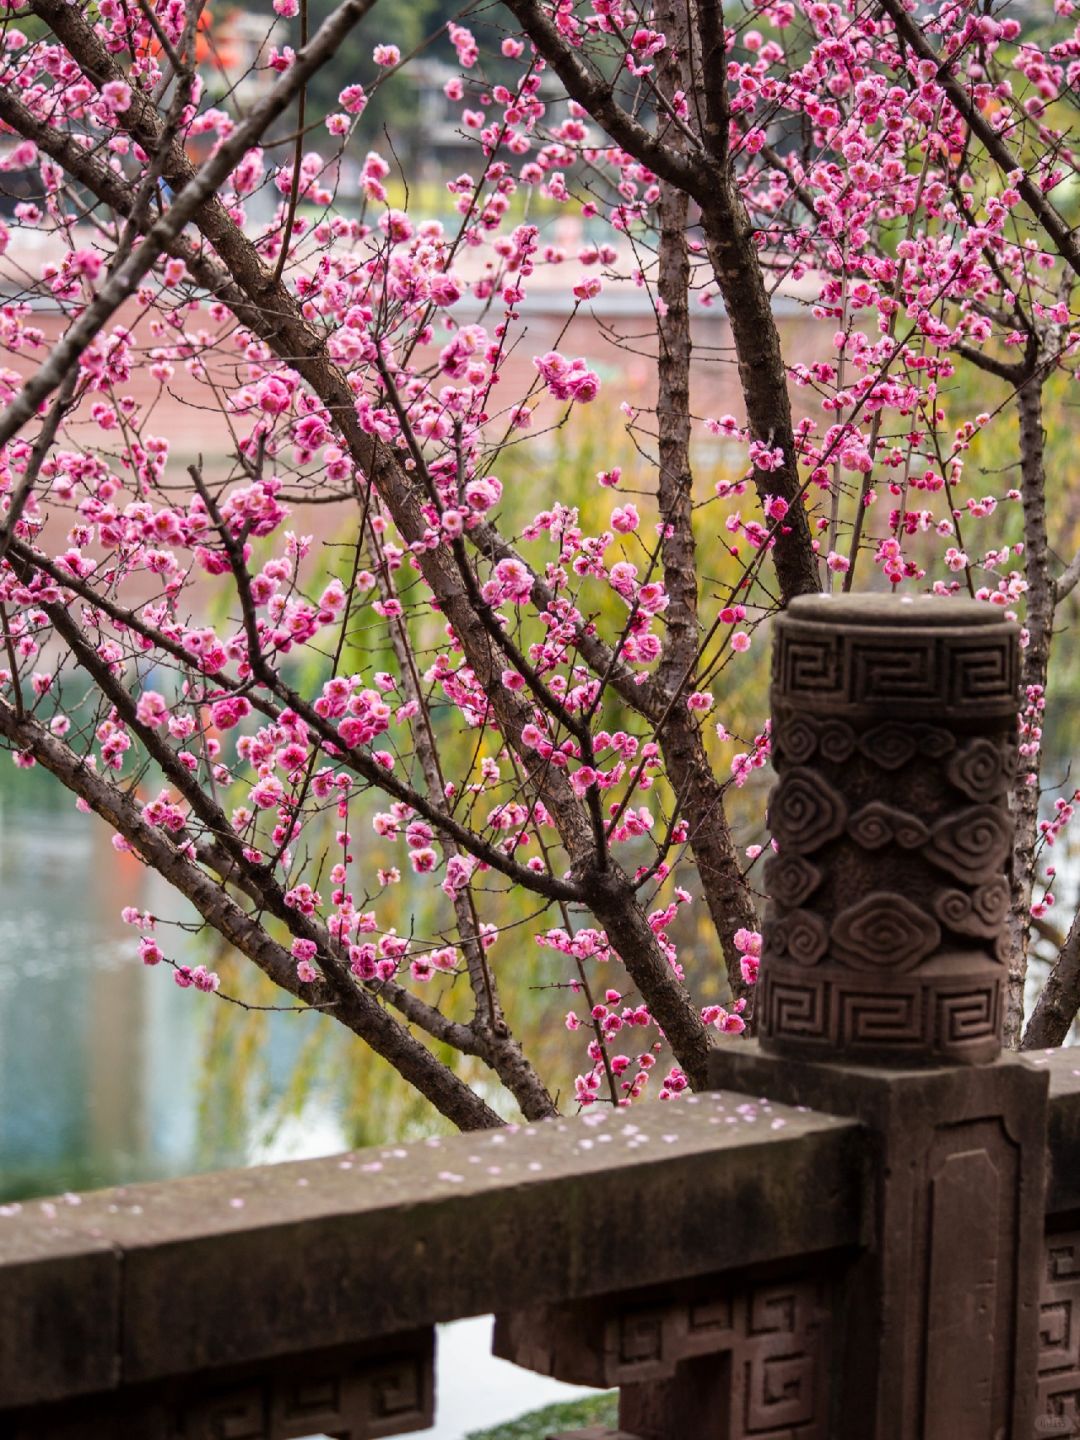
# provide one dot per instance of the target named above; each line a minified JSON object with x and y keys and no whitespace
{"x":960,"y":1016}
{"x":895,"y":751}
{"x":925,"y":673}
{"x":1059,"y":1334}
{"x":773,"y":1337}
{"x":348,"y":1398}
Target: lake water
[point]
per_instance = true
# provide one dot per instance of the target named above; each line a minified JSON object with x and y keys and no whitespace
{"x":102,"y":1061}
{"x":100,"y":1057}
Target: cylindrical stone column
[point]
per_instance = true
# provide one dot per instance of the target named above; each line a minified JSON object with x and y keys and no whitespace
{"x":894,"y":738}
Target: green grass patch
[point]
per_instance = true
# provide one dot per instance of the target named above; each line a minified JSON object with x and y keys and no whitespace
{"x":596,"y":1410}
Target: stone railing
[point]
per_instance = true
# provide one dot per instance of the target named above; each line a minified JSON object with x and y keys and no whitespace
{"x":869,"y":1230}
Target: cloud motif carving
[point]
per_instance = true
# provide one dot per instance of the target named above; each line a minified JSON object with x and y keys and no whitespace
{"x":798,"y":739}
{"x":934,"y":743}
{"x":884,"y":930}
{"x":890,"y":745}
{"x":959,"y":912}
{"x":972,"y":845}
{"x":790,"y":879}
{"x":836,"y":742}
{"x":991,"y":901}
{"x":981,"y":769}
{"x":805,"y":811}
{"x":878,"y":824}
{"x":802,"y":935}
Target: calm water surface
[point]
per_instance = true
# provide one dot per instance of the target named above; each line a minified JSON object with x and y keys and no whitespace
{"x":102,"y":1065}
{"x":101,"y":1059}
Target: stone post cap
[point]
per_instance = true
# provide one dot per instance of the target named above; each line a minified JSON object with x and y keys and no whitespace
{"x":904,"y":610}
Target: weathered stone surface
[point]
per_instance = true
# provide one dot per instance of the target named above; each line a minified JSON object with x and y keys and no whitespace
{"x":219,"y":1270}
{"x":1063,"y":1126}
{"x":939,"y":1318}
{"x":59,"y":1306}
{"x":894,"y":739}
{"x":747,"y":1353}
{"x":360,"y":1392}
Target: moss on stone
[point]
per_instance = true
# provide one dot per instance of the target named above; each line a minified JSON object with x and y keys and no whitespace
{"x":539,"y":1424}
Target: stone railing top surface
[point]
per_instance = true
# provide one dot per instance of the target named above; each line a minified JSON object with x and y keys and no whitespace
{"x":131,"y":1285}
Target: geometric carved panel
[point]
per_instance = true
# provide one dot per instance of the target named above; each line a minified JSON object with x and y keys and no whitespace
{"x":768,"y":1341}
{"x":868,"y":1017}
{"x":944,"y":1014}
{"x":731,"y":1359}
{"x":341,"y":1394}
{"x":920,"y":673}
{"x":779,"y":1384}
{"x":1059,"y":1337}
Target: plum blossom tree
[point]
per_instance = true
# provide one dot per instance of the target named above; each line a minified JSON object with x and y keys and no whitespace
{"x":904,"y":168}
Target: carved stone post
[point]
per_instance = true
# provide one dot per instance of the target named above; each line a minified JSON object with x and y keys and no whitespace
{"x":894,"y":735}
{"x":881,"y":997}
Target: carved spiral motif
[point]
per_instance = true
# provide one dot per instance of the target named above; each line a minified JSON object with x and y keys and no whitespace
{"x":798,"y":739}
{"x":961,"y":913}
{"x":980,"y":769}
{"x":836,"y":741}
{"x":934,"y":743}
{"x":972,"y":844}
{"x":805,"y":811}
{"x":991,"y":901}
{"x":803,"y":935}
{"x":884,"y":930}
{"x":790,"y":879}
{"x":889,"y":745}
{"x":953,"y":908}
{"x":878,"y":824}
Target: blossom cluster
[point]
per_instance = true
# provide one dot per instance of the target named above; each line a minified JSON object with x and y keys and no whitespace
{"x":272,"y":668}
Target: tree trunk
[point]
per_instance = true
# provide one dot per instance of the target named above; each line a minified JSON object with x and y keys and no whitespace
{"x":1036,"y":658}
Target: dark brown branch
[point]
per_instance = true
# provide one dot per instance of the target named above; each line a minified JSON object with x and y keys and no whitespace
{"x":699,"y":794}
{"x":591,"y":90}
{"x":1059,"y":1001}
{"x":42,"y":445}
{"x":1012,"y":374}
{"x":1040,"y":600}
{"x":358,"y":1010}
